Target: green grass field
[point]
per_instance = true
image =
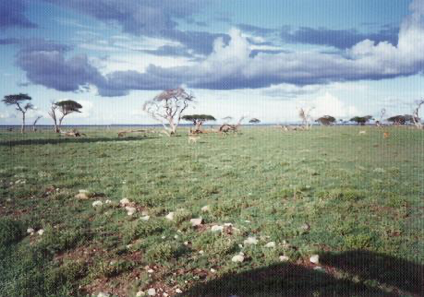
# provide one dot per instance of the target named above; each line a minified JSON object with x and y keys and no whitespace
{"x":355,"y":200}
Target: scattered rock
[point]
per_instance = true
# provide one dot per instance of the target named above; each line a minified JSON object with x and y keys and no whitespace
{"x":228,"y":224}
{"x":270,"y":244}
{"x":250,"y":240}
{"x":178,"y":291}
{"x":196,"y":222}
{"x":319,"y":268}
{"x":150,"y":271}
{"x":30,"y":231}
{"x":314,"y":259}
{"x":284,"y":258}
{"x":101,"y":294}
{"x":306,"y":227}
{"x":130,"y":210}
{"x":205,"y":208}
{"x":124,"y":201}
{"x":108,"y":201}
{"x":176,"y":236}
{"x":151,"y":292}
{"x":97,"y":203}
{"x":238,"y":258}
{"x":40,"y":232}
{"x":217,"y":228}
{"x":145,"y":218}
{"x":83,"y":195}
{"x":139,"y":294}
{"x":170,"y":216}
{"x":201,"y":252}
{"x":213,"y":270}
{"x":165,"y":295}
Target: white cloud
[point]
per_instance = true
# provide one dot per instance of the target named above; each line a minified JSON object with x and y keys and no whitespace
{"x":329,"y":104}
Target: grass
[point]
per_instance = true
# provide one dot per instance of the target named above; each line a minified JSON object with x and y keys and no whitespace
{"x":360,"y":196}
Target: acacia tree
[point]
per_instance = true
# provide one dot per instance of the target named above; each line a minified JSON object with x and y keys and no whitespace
{"x":198,"y":120}
{"x":403,"y":119}
{"x":168,"y":107}
{"x":254,"y":121}
{"x":19,"y":100}
{"x":326,"y":120}
{"x":305,"y":116}
{"x":64,"y":108}
{"x":361,"y":120}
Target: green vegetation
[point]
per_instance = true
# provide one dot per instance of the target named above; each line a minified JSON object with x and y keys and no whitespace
{"x":356,"y":200}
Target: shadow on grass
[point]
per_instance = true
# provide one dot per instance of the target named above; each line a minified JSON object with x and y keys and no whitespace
{"x":295,"y":280}
{"x":63,"y":140}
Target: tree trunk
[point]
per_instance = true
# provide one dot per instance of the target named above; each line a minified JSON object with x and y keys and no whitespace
{"x":23,"y":123}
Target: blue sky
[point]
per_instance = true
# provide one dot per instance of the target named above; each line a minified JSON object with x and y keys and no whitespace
{"x":261,"y":59}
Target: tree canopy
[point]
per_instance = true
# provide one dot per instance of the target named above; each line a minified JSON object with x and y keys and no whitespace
{"x":254,"y":121}
{"x":361,"y":120}
{"x":402,"y":119}
{"x":18,"y":99}
{"x":198,"y":118}
{"x":68,"y":106}
{"x":326,"y":120}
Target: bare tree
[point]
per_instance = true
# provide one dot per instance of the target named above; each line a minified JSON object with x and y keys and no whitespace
{"x":415,"y":115}
{"x":305,"y":116}
{"x":65,"y":108}
{"x":168,"y":107}
{"x":17,"y":100}
{"x":231,"y":128}
{"x":382,"y":114}
{"x":35,"y":123}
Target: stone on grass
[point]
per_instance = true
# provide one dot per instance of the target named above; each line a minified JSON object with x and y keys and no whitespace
{"x":139,"y":294}
{"x":250,"y":240}
{"x":30,"y":231}
{"x":270,"y":244}
{"x":40,"y":232}
{"x":145,"y":218}
{"x":205,"y":208}
{"x":217,"y":228}
{"x":196,"y":222}
{"x":170,"y":216}
{"x":130,"y":210}
{"x":151,"y":292}
{"x":97,"y":203}
{"x":108,"y":201}
{"x":284,"y":258}
{"x":228,"y":224}
{"x":178,"y":291}
{"x":102,"y":294}
{"x":124,"y":201}
{"x":319,"y":268}
{"x":314,"y":259}
{"x":83,"y":195}
{"x":238,"y":258}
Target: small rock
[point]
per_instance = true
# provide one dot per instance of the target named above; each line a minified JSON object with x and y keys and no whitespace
{"x":196,"y":222}
{"x":213,"y":270}
{"x":250,"y":240}
{"x":178,"y":291}
{"x":165,"y":295}
{"x":270,"y":244}
{"x":314,"y":259}
{"x":306,"y":227}
{"x":205,"y":208}
{"x":284,"y":258}
{"x":176,"y":236}
{"x":151,"y":292}
{"x":201,"y":252}
{"x":130,"y":210}
{"x":238,"y":259}
{"x":101,"y":294}
{"x":228,"y":224}
{"x":150,"y":271}
{"x":217,"y":228}
{"x":170,"y":216}
{"x":129,"y":246}
{"x":124,"y":201}
{"x":30,"y":231}
{"x":139,"y":294}
{"x":319,"y":268}
{"x":40,"y":232}
{"x":186,"y":242}
{"x":145,"y":218}
{"x":97,"y":203}
{"x":108,"y":201}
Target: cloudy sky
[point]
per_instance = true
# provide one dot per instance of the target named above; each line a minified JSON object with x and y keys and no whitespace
{"x":261,"y":59}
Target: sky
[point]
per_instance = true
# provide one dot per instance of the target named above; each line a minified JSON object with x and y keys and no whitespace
{"x":258,"y":59}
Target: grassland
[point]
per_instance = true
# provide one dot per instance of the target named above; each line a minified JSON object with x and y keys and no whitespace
{"x":355,"y":200}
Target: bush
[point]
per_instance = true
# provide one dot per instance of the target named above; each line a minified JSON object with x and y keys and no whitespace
{"x":161,"y":252}
{"x":10,"y":232}
{"x":143,"y":229}
{"x":54,"y":241}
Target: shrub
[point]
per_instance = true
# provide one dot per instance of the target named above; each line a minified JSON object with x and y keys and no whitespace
{"x":10,"y":232}
{"x":161,"y":252}
{"x":143,"y":229}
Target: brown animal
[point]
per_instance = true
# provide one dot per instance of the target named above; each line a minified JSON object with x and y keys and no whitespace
{"x":386,"y":134}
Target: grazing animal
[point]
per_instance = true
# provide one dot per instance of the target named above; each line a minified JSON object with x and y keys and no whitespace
{"x":193,"y":139}
{"x":363,"y":132}
{"x":386,"y":134}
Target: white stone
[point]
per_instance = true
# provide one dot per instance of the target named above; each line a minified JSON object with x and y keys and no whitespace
{"x":40,"y":232}
{"x":238,"y":258}
{"x":145,"y":218}
{"x":213,"y":270}
{"x":228,"y":225}
{"x":319,"y":268}
{"x":176,"y":236}
{"x":251,"y":240}
{"x":314,"y":259}
{"x":196,"y":222}
{"x":270,"y":244}
{"x":284,"y":258}
{"x":201,"y":252}
{"x":130,"y":210}
{"x":124,"y":201}
{"x":139,"y":294}
{"x":165,"y":295}
{"x":217,"y":228}
{"x":151,"y":292}
{"x":205,"y":208}
{"x":178,"y":291}
{"x":150,"y":271}
{"x":108,"y":201}
{"x":97,"y":203}
{"x":170,"y":216}
{"x":30,"y":230}
{"x":101,"y":294}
